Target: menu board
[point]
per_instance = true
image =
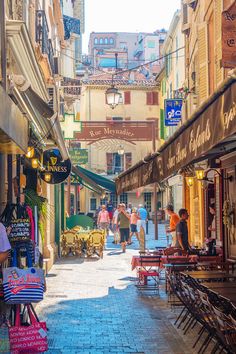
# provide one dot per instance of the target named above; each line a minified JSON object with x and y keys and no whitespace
{"x":20,"y":230}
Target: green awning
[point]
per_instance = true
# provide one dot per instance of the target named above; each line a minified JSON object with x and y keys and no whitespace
{"x":86,"y":181}
{"x":99,"y":180}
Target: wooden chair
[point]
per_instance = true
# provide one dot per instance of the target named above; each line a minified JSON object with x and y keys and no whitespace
{"x":67,"y":243}
{"x":95,"y":243}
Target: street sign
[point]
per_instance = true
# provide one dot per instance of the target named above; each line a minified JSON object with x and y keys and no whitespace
{"x":173,"y":113}
{"x":78,"y":156}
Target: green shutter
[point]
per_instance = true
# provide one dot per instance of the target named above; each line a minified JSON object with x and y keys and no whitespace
{"x":162,"y":126}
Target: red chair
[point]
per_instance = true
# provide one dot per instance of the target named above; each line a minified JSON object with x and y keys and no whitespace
{"x":148,"y":273}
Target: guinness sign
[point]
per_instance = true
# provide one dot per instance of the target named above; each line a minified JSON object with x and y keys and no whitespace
{"x":55,"y":170}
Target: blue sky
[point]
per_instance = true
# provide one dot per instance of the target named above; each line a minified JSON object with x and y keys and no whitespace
{"x":127,"y":16}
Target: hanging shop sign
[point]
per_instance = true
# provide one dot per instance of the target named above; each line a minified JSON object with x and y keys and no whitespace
{"x":55,"y":170}
{"x":216,"y":123}
{"x":229,"y":37}
{"x":173,"y":109}
{"x":78,"y":156}
{"x":131,"y":131}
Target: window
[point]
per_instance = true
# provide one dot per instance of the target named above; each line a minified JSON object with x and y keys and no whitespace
{"x":101,"y":41}
{"x":95,"y":40}
{"x":117,"y":118}
{"x":152,"y":98}
{"x":148,"y":201}
{"x":111,"y":41}
{"x":115,"y":163}
{"x":153,"y":56}
{"x":93,"y":204}
{"x":113,"y":199}
{"x":124,"y":198}
{"x":151,"y":44}
{"x":123,"y":45}
{"x":106,"y":40}
{"x":127,"y":97}
{"x":103,"y":201}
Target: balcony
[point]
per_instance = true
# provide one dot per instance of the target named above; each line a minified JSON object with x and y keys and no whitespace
{"x":138,"y":51}
{"x":41,"y":33}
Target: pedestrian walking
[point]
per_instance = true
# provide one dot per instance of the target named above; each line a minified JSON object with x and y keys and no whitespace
{"x":103,"y":219}
{"x":182,"y":231}
{"x":123,"y":222}
{"x":115,"y":228}
{"x":110,"y":209}
{"x":142,"y":214}
{"x":133,"y":225}
{"x":129,"y":208}
{"x":174,"y":220}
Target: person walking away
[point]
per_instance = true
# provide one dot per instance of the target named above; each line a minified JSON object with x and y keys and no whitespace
{"x":129,"y":208}
{"x":142,"y":214}
{"x":174,"y":220}
{"x":103,"y":219}
{"x":182,"y":231}
{"x":110,"y":209}
{"x":115,"y":228}
{"x":133,"y":225}
{"x":124,"y":221}
{"x":212,"y":228}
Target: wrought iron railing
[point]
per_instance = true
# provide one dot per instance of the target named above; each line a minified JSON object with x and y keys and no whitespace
{"x":41,"y":32}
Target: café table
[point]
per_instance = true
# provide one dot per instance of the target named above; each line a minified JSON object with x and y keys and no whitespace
{"x":135,"y":262}
{"x":229,"y":294}
{"x":209,"y":275}
{"x":219,"y":285}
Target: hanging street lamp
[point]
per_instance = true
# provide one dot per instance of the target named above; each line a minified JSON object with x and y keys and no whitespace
{"x":121,"y":150}
{"x":113,"y":96}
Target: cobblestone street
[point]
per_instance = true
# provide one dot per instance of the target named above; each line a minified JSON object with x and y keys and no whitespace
{"x":92,"y":306}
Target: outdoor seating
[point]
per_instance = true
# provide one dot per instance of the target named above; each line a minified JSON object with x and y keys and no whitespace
{"x":95,"y":243}
{"x":68,"y":243}
{"x":148,"y":273}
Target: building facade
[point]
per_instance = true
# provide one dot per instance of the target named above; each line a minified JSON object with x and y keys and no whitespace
{"x":132,"y":49}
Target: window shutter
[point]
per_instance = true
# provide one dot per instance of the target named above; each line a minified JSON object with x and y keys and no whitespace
{"x":127,"y":97}
{"x":155,"y":98}
{"x":149,"y":98}
{"x":162,"y":124}
{"x":203,"y":62}
{"x":108,"y":118}
{"x":128,"y":160}
{"x":218,"y":42}
{"x":109,"y":163}
{"x":127,"y":118}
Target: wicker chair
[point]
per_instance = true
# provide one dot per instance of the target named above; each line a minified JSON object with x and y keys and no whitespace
{"x":95,"y":243}
{"x":68,"y":243}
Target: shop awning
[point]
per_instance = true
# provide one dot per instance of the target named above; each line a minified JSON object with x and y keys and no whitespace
{"x":209,"y":133}
{"x":99,"y":180}
{"x":13,"y":127}
{"x":44,"y":120}
{"x":86,"y":181}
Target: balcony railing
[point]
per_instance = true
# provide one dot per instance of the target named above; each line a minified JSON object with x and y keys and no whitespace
{"x":42,"y":37}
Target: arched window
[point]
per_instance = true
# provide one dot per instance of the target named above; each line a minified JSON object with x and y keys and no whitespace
{"x":95,"y":40}
{"x":106,"y":40}
{"x":111,"y":40}
{"x":101,"y":41}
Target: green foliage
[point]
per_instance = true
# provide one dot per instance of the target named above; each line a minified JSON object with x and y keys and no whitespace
{"x":45,"y":212}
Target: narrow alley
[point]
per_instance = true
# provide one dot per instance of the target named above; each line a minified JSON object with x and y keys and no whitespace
{"x":92,"y":306}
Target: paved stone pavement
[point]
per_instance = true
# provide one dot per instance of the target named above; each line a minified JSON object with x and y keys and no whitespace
{"x":92,"y":306}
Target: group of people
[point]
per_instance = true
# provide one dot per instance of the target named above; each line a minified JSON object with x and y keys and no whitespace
{"x":178,"y":229}
{"x":125,"y":221}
